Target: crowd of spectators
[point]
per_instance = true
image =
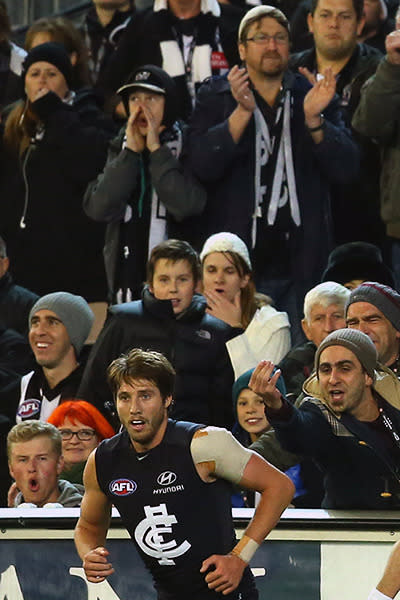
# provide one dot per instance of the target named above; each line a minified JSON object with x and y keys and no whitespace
{"x":218,"y":183}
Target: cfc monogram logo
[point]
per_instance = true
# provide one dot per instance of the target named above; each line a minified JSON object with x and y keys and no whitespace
{"x":150,"y":535}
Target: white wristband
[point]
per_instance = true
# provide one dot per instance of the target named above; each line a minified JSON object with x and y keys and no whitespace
{"x":245,"y":549}
{"x":377,"y":595}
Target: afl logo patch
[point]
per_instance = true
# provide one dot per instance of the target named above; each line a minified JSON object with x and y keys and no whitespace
{"x":166,"y":478}
{"x":122,"y":487}
{"x":28,"y":409}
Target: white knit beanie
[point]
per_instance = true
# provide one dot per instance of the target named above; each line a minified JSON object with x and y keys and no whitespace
{"x":226,"y":242}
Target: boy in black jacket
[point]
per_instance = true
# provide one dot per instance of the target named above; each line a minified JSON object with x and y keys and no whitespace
{"x":170,"y":318}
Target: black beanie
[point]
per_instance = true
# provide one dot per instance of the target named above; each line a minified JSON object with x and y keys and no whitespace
{"x":357,"y":260}
{"x":53,"y":53}
{"x":153,"y":79}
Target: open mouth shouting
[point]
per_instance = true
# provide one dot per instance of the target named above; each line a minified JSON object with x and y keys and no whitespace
{"x":33,"y":484}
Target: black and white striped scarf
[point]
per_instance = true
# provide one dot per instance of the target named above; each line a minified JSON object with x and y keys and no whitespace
{"x":281,"y":190}
{"x":192,"y":58}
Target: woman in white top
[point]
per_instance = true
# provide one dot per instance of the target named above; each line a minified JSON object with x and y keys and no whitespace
{"x":231,"y":296}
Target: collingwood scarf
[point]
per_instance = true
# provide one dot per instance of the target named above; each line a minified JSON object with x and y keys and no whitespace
{"x":275,"y":182}
{"x":145,"y":224}
{"x":192,"y":58}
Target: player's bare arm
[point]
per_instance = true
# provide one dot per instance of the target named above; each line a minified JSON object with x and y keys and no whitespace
{"x":91,"y":529}
{"x":217,"y":454}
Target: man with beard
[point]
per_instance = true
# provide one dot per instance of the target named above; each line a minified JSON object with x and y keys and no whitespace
{"x":185,"y":538}
{"x":267,"y":156}
{"x":349,"y":422}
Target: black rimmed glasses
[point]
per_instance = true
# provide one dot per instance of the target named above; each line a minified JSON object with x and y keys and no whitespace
{"x":84,"y":435}
{"x":262,"y":39}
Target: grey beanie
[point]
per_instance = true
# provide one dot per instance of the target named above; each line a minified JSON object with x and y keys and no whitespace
{"x":356,"y":341}
{"x":74,"y":312}
{"x":385,"y":298}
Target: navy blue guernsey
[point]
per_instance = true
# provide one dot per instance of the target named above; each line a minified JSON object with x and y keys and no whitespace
{"x":175,"y":519}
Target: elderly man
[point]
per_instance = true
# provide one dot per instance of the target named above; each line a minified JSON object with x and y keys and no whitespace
{"x":268,"y":158}
{"x":349,"y":424}
{"x":374,"y":309}
{"x":323,"y":313}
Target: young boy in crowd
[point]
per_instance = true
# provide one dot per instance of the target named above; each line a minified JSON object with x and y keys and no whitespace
{"x":170,"y":318}
{"x":35,"y":462}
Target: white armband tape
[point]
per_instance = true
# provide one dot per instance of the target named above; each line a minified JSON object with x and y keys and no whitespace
{"x":217,"y":445}
{"x":377,"y":595}
{"x":245,"y":548}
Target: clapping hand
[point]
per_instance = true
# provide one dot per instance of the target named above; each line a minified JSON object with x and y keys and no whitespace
{"x":240,"y":88}
{"x":319,"y":96}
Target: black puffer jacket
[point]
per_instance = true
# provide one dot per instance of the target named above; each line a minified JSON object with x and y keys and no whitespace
{"x":53,"y":244}
{"x":194,"y":343}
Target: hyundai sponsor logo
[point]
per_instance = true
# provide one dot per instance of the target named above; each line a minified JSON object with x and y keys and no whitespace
{"x":166,"y":478}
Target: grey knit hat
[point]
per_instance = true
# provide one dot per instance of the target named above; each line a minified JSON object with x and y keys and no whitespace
{"x":225,"y":241}
{"x":356,"y":341}
{"x":385,"y":298}
{"x":73,"y":311}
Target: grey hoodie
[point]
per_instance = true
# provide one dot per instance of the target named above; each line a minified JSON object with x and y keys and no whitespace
{"x":70,"y":494}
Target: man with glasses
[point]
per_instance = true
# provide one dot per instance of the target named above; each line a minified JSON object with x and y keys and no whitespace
{"x":267,"y":145}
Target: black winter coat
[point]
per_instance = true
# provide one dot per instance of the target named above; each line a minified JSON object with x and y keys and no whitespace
{"x":359,"y":199}
{"x":53,"y":245}
{"x":193,"y":343}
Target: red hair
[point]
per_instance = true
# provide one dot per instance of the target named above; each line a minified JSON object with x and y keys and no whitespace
{"x":79,"y":410}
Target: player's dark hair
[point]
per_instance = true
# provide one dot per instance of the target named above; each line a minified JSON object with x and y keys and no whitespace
{"x":142,"y":364}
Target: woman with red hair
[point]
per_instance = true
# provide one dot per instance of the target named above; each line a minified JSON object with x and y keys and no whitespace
{"x":82,"y":428}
